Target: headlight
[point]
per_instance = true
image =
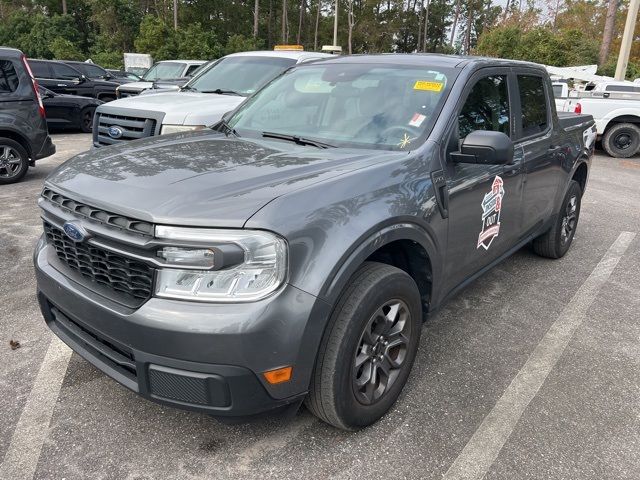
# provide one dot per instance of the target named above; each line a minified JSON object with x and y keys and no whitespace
{"x":220,"y":265}
{"x":166,"y":129}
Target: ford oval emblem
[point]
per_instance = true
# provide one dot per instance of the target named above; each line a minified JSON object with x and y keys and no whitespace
{"x":75,"y":232}
{"x":115,"y":132}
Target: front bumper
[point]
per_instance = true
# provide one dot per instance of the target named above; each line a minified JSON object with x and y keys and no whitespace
{"x":203,"y":357}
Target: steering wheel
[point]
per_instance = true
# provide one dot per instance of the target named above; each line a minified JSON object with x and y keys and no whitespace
{"x":401,"y":129}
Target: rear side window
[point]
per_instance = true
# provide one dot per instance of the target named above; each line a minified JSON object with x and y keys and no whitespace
{"x":534,"y":105}
{"x":8,"y":77}
{"x":40,"y":69}
{"x":486,"y":107}
{"x":61,"y":70}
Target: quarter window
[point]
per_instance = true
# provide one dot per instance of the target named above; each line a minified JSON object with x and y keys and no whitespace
{"x":8,"y":77}
{"x":534,"y":105}
{"x":486,"y":107}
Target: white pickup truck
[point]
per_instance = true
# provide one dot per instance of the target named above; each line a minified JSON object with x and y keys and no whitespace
{"x":217,"y":89}
{"x":615,"y":107}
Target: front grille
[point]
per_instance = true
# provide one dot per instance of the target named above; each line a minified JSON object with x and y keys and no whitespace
{"x":115,"y":272}
{"x":132,"y":128}
{"x":118,"y":221}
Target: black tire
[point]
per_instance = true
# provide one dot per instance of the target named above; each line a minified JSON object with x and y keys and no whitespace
{"x":335,"y":395}
{"x":556,"y":242}
{"x":14,"y":161}
{"x":86,"y":119}
{"x":622,"y":140}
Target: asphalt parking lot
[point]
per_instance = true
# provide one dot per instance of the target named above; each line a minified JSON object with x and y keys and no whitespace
{"x":533,"y":371}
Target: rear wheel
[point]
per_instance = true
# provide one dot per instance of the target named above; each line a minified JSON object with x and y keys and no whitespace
{"x":367,"y":354}
{"x":622,"y":140}
{"x":14,"y":161}
{"x":556,"y":242}
{"x":86,"y":119}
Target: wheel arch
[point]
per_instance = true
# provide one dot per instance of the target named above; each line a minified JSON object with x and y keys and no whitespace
{"x":581,"y":174}
{"x":626,"y":118}
{"x":22,"y":140}
{"x":405,"y":245}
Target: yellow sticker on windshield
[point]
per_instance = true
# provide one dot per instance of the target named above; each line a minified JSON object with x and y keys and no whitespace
{"x":428,"y":86}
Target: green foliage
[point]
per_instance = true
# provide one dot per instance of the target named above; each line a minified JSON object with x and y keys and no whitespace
{"x":63,"y":48}
{"x":539,"y":44}
{"x":240,"y":43}
{"x":609,"y":69}
{"x":156,"y":38}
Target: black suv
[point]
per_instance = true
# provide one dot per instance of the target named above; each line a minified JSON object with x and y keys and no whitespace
{"x":23,"y":130}
{"x":62,"y":78}
{"x":96,"y":72}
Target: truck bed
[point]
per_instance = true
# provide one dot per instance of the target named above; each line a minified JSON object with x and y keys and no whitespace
{"x":569,"y":120}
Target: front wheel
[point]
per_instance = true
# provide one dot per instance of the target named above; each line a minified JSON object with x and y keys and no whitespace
{"x":556,"y":242}
{"x":367,"y":353}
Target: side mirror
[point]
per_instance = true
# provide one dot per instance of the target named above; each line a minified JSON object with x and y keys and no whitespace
{"x":485,"y":147}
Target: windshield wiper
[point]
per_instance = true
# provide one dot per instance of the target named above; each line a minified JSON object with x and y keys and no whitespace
{"x":297,"y":140}
{"x":219,"y":91}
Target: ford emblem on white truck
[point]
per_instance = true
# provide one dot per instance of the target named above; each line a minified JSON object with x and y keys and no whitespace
{"x":115,"y":132}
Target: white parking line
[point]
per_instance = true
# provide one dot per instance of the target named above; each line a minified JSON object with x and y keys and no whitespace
{"x":32,"y":429}
{"x":486,"y":443}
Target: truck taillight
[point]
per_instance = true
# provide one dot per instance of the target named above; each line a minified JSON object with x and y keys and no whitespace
{"x":578,"y":108}
{"x":34,"y":85}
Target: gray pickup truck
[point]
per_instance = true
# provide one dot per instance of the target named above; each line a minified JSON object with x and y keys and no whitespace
{"x":292,"y":253}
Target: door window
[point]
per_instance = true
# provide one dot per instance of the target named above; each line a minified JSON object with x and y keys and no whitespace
{"x":534,"y":105}
{"x":8,"y":77}
{"x":486,"y":107}
{"x":64,"y":71}
{"x":39,"y":69}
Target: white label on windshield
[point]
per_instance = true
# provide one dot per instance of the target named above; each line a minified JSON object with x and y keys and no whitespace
{"x":417,"y":120}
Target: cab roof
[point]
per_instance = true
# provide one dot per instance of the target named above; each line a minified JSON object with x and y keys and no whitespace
{"x":294,"y":54}
{"x":432,"y":59}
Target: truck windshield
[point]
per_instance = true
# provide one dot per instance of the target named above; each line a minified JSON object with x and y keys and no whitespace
{"x":356,"y":105}
{"x":241,"y":75}
{"x":164,"y":71}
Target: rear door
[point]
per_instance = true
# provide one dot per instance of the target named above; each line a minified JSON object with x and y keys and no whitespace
{"x":69,"y":82}
{"x":536,"y":141}
{"x":484,"y":200}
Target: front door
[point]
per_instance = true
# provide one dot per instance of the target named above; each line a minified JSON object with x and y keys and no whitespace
{"x":484,"y":200}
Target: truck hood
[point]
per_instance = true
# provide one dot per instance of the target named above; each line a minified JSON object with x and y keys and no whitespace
{"x":200,"y":179}
{"x":182,"y":108}
{"x":136,"y":86}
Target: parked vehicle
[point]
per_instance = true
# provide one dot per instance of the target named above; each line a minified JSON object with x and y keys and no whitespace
{"x":615,"y":106}
{"x":560,"y":95}
{"x":175,"y":71}
{"x":23,"y":131}
{"x":219,"y":88}
{"x":293,"y":253}
{"x":123,"y":74}
{"x":62,"y":78}
{"x":96,"y":72}
{"x":68,"y":111}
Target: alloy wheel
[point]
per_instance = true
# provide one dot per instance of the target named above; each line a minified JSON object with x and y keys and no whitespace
{"x":10,"y":162}
{"x":569,"y":220}
{"x":381,"y":351}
